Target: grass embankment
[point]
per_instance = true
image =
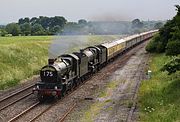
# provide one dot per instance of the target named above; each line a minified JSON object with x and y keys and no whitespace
{"x":159,"y":97}
{"x":22,"y":57}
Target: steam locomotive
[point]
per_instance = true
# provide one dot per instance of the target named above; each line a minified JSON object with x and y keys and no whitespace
{"x":69,"y":70}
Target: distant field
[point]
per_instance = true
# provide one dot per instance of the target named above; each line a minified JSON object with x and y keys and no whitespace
{"x":159,"y":97}
{"x":22,"y":57}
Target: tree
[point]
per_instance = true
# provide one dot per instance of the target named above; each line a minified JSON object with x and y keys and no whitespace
{"x":136,"y":23}
{"x":173,"y":48}
{"x":56,"y":29}
{"x":158,"y":25}
{"x":37,"y":29}
{"x":70,"y":28}
{"x":25,"y":28}
{"x":22,"y":21}
{"x":57,"y":20}
{"x":26,"y":20}
{"x":3,"y":32}
{"x":169,"y":36}
{"x":178,"y":9}
{"x":34,"y":20}
{"x":169,"y":41}
{"x":44,"y":21}
{"x":13,"y":29}
{"x":82,"y":21}
{"x":155,"y":45}
{"x":173,"y":44}
{"x":51,"y":25}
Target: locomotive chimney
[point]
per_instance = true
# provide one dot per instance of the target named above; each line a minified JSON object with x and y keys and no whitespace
{"x":50,"y":61}
{"x":81,"y":50}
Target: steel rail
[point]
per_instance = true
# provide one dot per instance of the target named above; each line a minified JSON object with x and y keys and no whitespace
{"x":16,"y":93}
{"x":15,"y":101}
{"x":23,"y":112}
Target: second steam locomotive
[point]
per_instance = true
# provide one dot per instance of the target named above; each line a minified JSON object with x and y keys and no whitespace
{"x":68,"y":70}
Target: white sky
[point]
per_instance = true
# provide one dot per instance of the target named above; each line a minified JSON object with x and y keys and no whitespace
{"x":73,"y":10}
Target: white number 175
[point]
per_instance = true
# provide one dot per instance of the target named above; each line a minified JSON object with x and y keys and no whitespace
{"x":48,"y":73}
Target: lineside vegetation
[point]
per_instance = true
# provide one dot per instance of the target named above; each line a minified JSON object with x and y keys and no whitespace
{"x":159,"y":97}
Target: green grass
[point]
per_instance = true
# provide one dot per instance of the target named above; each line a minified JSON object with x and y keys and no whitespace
{"x":23,"y":56}
{"x":159,"y":97}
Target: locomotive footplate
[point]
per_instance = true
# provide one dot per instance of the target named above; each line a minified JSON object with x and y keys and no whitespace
{"x":47,"y":92}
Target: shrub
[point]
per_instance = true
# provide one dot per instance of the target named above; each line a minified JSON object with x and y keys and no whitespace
{"x":172,"y":66}
{"x":155,"y":45}
{"x":151,"y":47}
{"x":173,"y":48}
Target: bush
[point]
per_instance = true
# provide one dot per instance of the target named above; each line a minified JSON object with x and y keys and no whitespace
{"x":172,"y":66}
{"x":155,"y":45}
{"x":173,"y":48}
{"x":3,"y":32}
{"x":13,"y":29}
{"x":151,"y":47}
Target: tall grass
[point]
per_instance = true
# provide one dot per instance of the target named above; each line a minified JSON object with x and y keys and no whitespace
{"x":21,"y":57}
{"x":159,"y":97}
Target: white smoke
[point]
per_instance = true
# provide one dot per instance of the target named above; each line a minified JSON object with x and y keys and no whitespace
{"x":66,"y":44}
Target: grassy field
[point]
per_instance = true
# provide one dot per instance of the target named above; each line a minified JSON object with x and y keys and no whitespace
{"x":22,"y":57}
{"x":159,"y":97}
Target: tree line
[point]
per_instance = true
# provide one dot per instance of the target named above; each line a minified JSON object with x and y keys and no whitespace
{"x":59,"y":25}
{"x":168,"y":42}
{"x":35,"y":26}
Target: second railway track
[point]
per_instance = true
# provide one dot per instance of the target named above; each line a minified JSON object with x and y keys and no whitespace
{"x":15,"y":97}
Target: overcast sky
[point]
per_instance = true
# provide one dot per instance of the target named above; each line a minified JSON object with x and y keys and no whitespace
{"x":73,"y":10}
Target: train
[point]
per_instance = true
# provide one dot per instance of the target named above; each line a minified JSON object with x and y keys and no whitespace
{"x":67,"y":71}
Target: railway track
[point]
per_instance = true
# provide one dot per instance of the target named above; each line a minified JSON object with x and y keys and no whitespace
{"x":24,"y":112}
{"x":15,"y":97}
{"x":29,"y":109}
{"x":13,"y":102}
{"x":65,"y":115}
{"x":135,"y":92}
